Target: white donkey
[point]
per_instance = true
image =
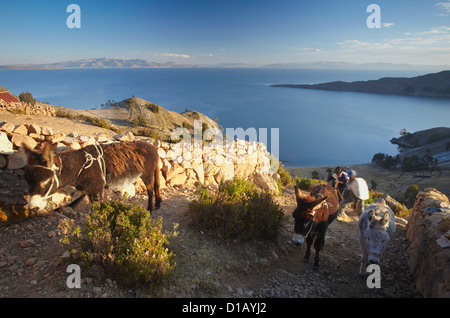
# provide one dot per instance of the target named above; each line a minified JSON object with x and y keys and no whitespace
{"x":376,"y":226}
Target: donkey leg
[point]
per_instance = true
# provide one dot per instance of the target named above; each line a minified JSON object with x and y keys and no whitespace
{"x":363,"y":266}
{"x":157,"y":187}
{"x":318,"y":246}
{"x":309,"y":241}
{"x":149,"y":184}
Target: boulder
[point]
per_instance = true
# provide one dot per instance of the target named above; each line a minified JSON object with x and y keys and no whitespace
{"x":6,"y":146}
{"x":83,"y":204}
{"x":47,"y":131}
{"x":21,"y":130}
{"x":16,"y":160}
{"x":7,"y":127}
{"x":3,"y":161}
{"x":198,"y":169}
{"x":23,"y":140}
{"x":34,"y":129}
{"x":177,"y":180}
{"x":265,"y":182}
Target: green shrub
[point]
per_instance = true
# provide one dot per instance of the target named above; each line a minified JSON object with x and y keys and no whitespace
{"x":139,"y":121}
{"x":26,"y":97}
{"x":236,"y":211}
{"x":125,"y":241}
{"x":409,"y":197}
{"x":305,"y":183}
{"x":285,"y":177}
{"x":152,"y":107}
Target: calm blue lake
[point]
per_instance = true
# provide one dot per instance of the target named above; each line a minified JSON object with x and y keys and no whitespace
{"x":316,"y":128}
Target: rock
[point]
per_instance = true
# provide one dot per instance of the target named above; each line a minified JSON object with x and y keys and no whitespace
{"x":178,"y":179}
{"x":96,"y":290}
{"x":55,"y":138}
{"x":30,"y":261}
{"x":6,"y":146}
{"x":443,"y":242}
{"x":198,"y":169}
{"x":103,"y":139}
{"x":16,"y":160}
{"x":68,"y":141}
{"x":264,"y":182}
{"x":27,"y":243}
{"x":23,"y":140}
{"x":83,"y":204}
{"x":3,"y":161}
{"x":47,"y":131}
{"x":127,"y":137}
{"x":161,"y":153}
{"x":21,"y":130}
{"x":6,"y":127}
{"x":34,"y":129}
{"x":444,"y":224}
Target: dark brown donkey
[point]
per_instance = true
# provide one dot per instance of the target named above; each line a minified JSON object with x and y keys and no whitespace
{"x":315,"y":210}
{"x":91,"y":169}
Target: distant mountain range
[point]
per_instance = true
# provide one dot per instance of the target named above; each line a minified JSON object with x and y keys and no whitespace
{"x":139,"y":63}
{"x":93,"y":63}
{"x":429,"y":85}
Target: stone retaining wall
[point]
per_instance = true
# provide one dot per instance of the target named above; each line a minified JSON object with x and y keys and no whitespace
{"x":429,"y":243}
{"x":28,"y":109}
{"x":181,"y":165}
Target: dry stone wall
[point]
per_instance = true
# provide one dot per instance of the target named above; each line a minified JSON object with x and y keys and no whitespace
{"x":28,"y":109}
{"x":429,"y":243}
{"x":181,"y":165}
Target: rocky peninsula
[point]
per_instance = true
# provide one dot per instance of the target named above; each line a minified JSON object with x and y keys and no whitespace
{"x":429,"y":85}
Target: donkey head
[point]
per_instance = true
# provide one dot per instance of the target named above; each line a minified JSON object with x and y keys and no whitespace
{"x":304,"y":214}
{"x":41,"y":175}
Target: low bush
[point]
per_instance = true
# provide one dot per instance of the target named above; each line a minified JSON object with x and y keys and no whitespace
{"x":125,"y":241}
{"x":237,"y":210}
{"x":305,"y":183}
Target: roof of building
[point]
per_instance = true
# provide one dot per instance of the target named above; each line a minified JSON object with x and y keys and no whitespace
{"x":8,"y":97}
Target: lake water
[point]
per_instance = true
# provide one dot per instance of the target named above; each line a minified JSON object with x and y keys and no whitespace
{"x":316,"y":128}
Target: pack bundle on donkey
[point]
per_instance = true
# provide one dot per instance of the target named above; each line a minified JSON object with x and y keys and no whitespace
{"x":91,"y":169}
{"x":315,"y":211}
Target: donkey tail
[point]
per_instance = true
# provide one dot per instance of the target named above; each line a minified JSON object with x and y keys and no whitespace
{"x":157,"y":185}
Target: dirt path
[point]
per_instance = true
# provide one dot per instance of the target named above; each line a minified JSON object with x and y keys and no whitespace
{"x":31,"y":262}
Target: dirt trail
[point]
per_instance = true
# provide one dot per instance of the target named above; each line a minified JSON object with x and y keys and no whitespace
{"x":31,"y":262}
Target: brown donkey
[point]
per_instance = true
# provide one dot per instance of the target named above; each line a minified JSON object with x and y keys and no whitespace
{"x":315,"y":211}
{"x":91,"y":169}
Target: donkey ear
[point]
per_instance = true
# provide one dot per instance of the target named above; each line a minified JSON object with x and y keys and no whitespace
{"x":49,"y":154}
{"x":371,"y":218}
{"x":385,"y":220}
{"x":28,"y":153}
{"x":298,"y":193}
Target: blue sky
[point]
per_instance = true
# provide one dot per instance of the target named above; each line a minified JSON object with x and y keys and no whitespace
{"x":227,"y":31}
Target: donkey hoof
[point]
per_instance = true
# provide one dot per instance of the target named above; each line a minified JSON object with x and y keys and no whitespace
{"x":306,"y":260}
{"x":316,"y":266}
